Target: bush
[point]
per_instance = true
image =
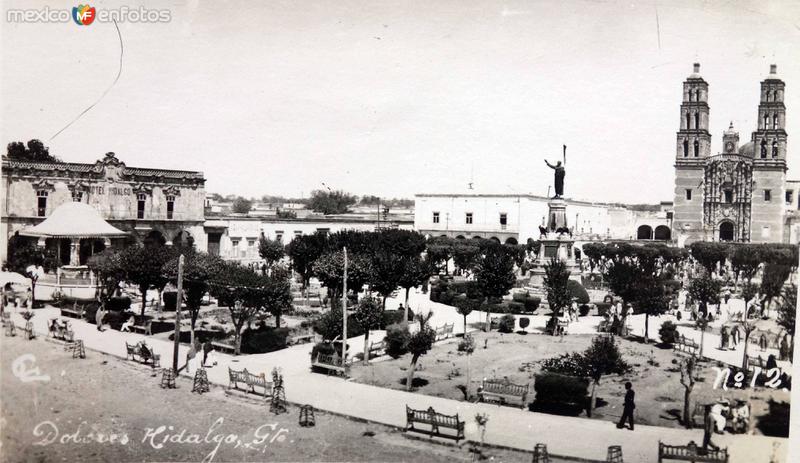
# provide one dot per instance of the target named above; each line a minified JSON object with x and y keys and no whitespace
{"x":602,"y":307}
{"x":515,"y":307}
{"x":466,"y":344}
{"x":397,"y":338}
{"x":532,"y":303}
{"x":584,"y":310}
{"x":524,"y":322}
{"x":265,"y":339}
{"x":329,"y":325}
{"x":560,"y":393}
{"x":507,"y":323}
{"x":117,"y":304}
{"x":577,"y":291}
{"x":520,"y":297}
{"x":668,"y":332}
{"x":116,"y":319}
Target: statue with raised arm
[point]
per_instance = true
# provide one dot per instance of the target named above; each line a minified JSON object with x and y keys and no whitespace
{"x":559,"y":174}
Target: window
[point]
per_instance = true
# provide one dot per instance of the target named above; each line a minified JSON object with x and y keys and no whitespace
{"x":696,"y":120}
{"x":775,"y":149}
{"x":789,"y":196}
{"x":767,"y":195}
{"x":279,"y":236}
{"x":763,"y":149}
{"x":77,"y":196}
{"x":728,"y":196}
{"x":766,"y":121}
{"x":469,"y":218}
{"x":688,"y":194}
{"x":686,"y":148}
{"x":41,"y":203}
{"x":688,"y":121}
{"x":435,"y":217}
{"x":696,"y":148}
{"x":251,"y":247}
{"x":775,"y":121}
{"x":235,"y":247}
{"x":140,"y":202}
{"x":170,"y":206}
{"x":503,"y":219}
{"x":298,"y":233}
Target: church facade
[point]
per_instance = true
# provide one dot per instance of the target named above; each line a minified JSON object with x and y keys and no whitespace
{"x":741,"y":193}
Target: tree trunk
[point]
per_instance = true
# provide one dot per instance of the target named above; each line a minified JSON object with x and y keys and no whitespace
{"x":702,"y":338}
{"x":646,"y":327}
{"x":466,"y":392}
{"x":192,"y":320}
{"x":384,"y":302}
{"x":593,"y":399}
{"x":237,"y":342}
{"x":277,"y":320}
{"x":366,"y":347}
{"x":465,"y":324}
{"x":144,"y":299}
{"x":687,"y":418}
{"x":33,"y":292}
{"x":410,"y":377}
{"x":405,"y":308}
{"x":746,"y":342}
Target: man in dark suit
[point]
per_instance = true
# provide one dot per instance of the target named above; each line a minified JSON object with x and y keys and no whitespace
{"x":628,"y":407}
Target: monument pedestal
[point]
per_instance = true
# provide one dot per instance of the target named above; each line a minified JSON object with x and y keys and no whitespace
{"x":556,"y":243}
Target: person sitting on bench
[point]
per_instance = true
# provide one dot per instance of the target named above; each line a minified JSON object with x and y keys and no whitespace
{"x":144,"y":352}
{"x":128,"y":324}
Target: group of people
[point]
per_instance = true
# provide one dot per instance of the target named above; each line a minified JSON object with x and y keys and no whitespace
{"x":719,"y":415}
{"x":10,"y":298}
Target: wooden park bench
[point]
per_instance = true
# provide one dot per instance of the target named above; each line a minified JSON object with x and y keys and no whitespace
{"x":141,"y":352}
{"x":222,"y":347}
{"x":445,"y":331}
{"x":691,"y":452}
{"x":503,"y":391}
{"x":74,"y":312}
{"x":755,"y":361}
{"x":436,"y":421}
{"x":5,"y":318}
{"x":146,"y":328}
{"x":60,"y":330}
{"x":250,"y":380}
{"x":688,"y":346}
{"x":302,"y":339}
{"x":376,"y":348}
{"x":331,"y":362}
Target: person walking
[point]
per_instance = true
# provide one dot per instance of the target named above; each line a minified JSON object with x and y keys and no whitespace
{"x":98,"y":318}
{"x":628,"y":407}
{"x":723,"y":338}
{"x":708,"y":429}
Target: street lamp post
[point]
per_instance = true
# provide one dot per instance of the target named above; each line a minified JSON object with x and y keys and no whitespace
{"x":344,"y":311}
{"x":178,"y":301}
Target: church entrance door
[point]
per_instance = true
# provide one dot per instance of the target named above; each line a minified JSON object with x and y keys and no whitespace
{"x":726,"y":231}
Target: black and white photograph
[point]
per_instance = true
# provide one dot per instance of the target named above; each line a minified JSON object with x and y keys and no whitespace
{"x":542,"y":231}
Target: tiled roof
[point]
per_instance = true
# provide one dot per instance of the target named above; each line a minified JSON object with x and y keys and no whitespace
{"x":97,"y":167}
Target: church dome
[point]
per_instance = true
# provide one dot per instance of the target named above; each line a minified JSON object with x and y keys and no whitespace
{"x":748,"y":149}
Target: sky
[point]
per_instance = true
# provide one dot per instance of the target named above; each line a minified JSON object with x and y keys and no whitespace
{"x":396,"y":98}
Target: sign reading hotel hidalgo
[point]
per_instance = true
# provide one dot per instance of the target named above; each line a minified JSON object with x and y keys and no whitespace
{"x":112,"y":190}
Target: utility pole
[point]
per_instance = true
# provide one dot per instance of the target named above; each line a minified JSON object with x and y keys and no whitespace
{"x":178,"y":315}
{"x":344,"y":311}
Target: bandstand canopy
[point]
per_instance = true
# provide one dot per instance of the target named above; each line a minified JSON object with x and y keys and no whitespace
{"x":74,"y":220}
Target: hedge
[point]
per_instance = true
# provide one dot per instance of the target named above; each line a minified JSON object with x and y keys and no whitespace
{"x":263,"y":340}
{"x":507,"y":323}
{"x":602,"y":307}
{"x":391,"y":317}
{"x":560,"y":393}
{"x":577,"y":291}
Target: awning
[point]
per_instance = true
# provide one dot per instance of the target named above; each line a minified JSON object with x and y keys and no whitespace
{"x":74,"y":220}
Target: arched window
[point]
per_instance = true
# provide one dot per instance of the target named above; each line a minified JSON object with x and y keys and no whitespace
{"x":696,"y":120}
{"x":766,"y":121}
{"x":696,"y":149}
{"x":688,"y":121}
{"x":697,"y":95}
{"x":775,"y":149}
{"x":769,"y":96}
{"x":686,"y":148}
{"x":774,"y":121}
{"x":763,"y":149}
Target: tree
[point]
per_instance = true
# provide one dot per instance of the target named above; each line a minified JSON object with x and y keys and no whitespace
{"x":27,"y":258}
{"x":745,"y":260}
{"x":465,"y":306}
{"x":652,"y":299}
{"x":602,"y":357}
{"x":242,"y":205}
{"x":199,"y":269}
{"x":304,"y":251}
{"x":329,"y":268}
{"x":110,"y":270}
{"x":709,"y":254}
{"x":331,"y":202}
{"x":368,"y":314}
{"x":772,"y":281}
{"x":34,"y":152}
{"x":419,"y":344}
{"x":271,"y":251}
{"x":787,"y":312}
{"x":688,"y":371}
{"x":556,"y":276}
{"x":749,"y":292}
{"x":467,"y":345}
{"x":246,"y":293}
{"x":440,"y":251}
{"x":415,"y":272}
{"x":705,"y":290}
{"x":144,"y":267}
{"x":465,"y":255}
{"x":386,"y":270}
{"x":494,"y":273}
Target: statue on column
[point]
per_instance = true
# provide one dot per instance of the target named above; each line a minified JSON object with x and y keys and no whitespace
{"x":559,"y":174}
